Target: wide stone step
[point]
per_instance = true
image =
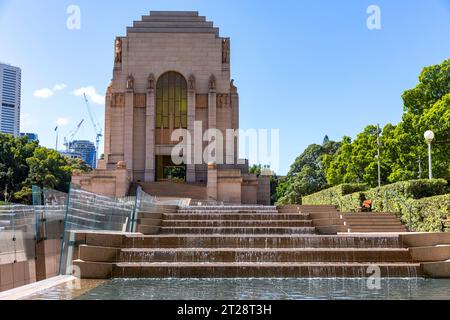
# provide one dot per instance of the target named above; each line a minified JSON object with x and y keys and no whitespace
{"x":237,"y":231}
{"x":228,"y":208}
{"x":262,"y":255}
{"x":261,"y":270}
{"x":235,"y":216}
{"x":374,"y":223}
{"x":96,"y":270}
{"x":237,"y":223}
{"x":114,"y":255}
{"x":377,"y":227}
{"x":253,"y":241}
{"x":377,"y":215}
{"x":377,"y":230}
{"x":324,"y":215}
{"x":302,"y":208}
{"x":211,"y":212}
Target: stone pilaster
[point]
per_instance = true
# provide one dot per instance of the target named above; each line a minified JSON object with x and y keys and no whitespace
{"x":150,"y":137}
{"x":212,"y":108}
{"x":235,"y":117}
{"x":107,"y":139}
{"x":128,"y":130}
{"x":211,"y":188}
{"x":190,"y":174}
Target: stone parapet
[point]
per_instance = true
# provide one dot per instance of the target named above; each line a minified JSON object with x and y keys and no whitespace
{"x":112,"y":183}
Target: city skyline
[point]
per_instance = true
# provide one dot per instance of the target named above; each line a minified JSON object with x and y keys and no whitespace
{"x":338,"y":77}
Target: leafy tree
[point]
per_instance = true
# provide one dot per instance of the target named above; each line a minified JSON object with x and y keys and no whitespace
{"x":426,"y":107}
{"x":306,"y":175}
{"x":24,"y":163}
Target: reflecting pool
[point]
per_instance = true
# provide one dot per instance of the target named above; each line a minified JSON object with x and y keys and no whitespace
{"x":253,"y":289}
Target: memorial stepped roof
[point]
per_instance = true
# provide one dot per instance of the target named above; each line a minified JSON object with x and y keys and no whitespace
{"x":173,"y":22}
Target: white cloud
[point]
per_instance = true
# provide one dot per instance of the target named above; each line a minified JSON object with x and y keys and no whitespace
{"x":59,"y":87}
{"x":43,"y":93}
{"x":91,"y":94}
{"x":46,"y":93}
{"x":62,"y":122}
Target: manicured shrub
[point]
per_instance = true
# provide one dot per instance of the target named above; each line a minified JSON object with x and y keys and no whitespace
{"x":422,"y":204}
{"x":416,"y":189}
{"x":333,"y":195}
{"x":427,"y":213}
{"x":352,"y":202}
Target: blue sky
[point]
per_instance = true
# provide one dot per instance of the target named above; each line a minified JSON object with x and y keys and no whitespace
{"x":308,"y":68}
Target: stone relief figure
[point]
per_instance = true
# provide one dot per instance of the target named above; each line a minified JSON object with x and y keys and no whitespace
{"x":233,"y":88}
{"x":191,"y":82}
{"x":110,"y":86}
{"x":121,"y":165}
{"x":130,"y":82}
{"x":118,"y":51}
{"x":223,"y":101}
{"x":226,"y":51}
{"x":220,"y":100}
{"x":212,"y":83}
{"x":151,"y":82}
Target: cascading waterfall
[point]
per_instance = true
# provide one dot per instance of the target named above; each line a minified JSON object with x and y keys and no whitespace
{"x":259,"y":242}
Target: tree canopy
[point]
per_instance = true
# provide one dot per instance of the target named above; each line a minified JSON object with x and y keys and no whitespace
{"x":403,"y":149}
{"x":24,"y":163}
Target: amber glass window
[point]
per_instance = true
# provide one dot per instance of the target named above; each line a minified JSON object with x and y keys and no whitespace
{"x":171,"y":101}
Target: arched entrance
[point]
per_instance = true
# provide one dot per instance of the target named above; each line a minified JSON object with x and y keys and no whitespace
{"x":171,"y":114}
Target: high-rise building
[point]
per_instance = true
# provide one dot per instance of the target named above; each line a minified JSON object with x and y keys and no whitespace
{"x":86,"y":150}
{"x":30,"y":136}
{"x":10,"y":88}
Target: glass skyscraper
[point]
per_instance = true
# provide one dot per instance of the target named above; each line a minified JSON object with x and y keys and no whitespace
{"x":10,"y":88}
{"x":86,"y":150}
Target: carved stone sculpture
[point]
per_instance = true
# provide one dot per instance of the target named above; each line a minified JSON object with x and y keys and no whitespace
{"x":226,"y":51}
{"x":130,"y":82}
{"x":233,"y":88}
{"x":110,"y":86}
{"x":191,"y":82}
{"x":223,"y":101}
{"x":118,"y":51}
{"x":212,"y":83}
{"x":151,"y":82}
{"x":121,"y":165}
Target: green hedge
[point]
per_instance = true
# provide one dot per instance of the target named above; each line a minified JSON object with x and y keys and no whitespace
{"x":427,"y":213}
{"x":415,"y":189}
{"x":347,"y":195}
{"x":352,"y":202}
{"x":333,"y":195}
{"x":421,"y":203}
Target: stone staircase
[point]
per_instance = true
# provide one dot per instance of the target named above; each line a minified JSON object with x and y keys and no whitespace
{"x":175,"y":190}
{"x":328,"y":220}
{"x":239,"y":241}
{"x":373,"y":222}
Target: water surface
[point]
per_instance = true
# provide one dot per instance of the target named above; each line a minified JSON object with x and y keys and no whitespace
{"x":259,"y":289}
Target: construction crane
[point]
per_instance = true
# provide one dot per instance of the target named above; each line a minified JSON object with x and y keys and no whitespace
{"x":71,"y":136}
{"x":97,"y":128}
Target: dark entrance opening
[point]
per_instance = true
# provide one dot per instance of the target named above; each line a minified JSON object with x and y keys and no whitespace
{"x":166,"y":170}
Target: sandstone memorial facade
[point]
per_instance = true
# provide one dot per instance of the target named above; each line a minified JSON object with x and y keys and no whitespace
{"x":171,"y":72}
